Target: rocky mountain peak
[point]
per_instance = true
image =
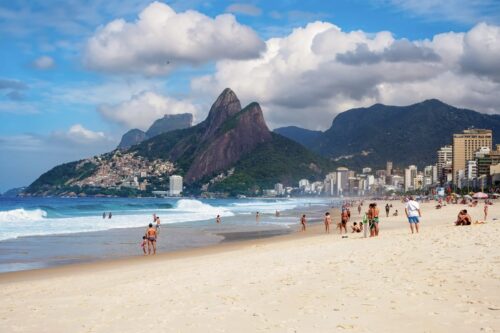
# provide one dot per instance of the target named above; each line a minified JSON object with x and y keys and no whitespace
{"x":226,"y":106}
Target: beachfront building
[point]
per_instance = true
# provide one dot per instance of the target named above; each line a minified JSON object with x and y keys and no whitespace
{"x":409,"y":180}
{"x":465,"y":144}
{"x":485,"y":159}
{"x":366,"y":170}
{"x":342,"y":180}
{"x":175,"y":185}
{"x":330,"y":183}
{"x":279,"y":188}
{"x":471,"y":169}
{"x":304,"y":185}
{"x":388,"y":168}
{"x":445,"y":162}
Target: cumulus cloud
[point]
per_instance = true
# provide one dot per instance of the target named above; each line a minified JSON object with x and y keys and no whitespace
{"x":43,"y":63}
{"x":78,"y":134}
{"x":317,"y":71}
{"x":245,"y":9}
{"x":143,"y":109}
{"x":161,"y":39}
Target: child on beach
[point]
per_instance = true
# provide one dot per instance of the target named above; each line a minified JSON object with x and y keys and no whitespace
{"x":328,"y":221}
{"x":143,"y":244}
{"x":355,"y":227}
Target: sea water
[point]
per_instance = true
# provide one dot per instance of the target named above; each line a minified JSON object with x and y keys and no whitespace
{"x":21,"y":217}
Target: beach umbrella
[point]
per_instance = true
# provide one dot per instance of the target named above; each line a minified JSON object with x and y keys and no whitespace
{"x":480,"y":195}
{"x":467,"y":196}
{"x":496,"y":195}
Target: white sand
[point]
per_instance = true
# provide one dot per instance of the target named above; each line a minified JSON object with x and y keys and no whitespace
{"x":445,"y":279}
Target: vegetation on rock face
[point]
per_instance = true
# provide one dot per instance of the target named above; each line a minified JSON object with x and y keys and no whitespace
{"x":278,"y":161}
{"x":402,"y":134}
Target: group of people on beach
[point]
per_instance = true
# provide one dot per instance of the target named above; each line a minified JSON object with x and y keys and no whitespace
{"x":371,"y":219}
{"x":148,"y":244}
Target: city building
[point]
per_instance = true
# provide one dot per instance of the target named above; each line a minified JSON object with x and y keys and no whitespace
{"x":280,"y":190}
{"x":445,"y":162}
{"x":388,"y":168}
{"x":175,"y":185}
{"x":409,"y":180}
{"x":471,"y":169}
{"x":366,"y":170}
{"x":465,"y":144}
{"x":485,"y":159}
{"x":342,"y":180}
{"x":304,"y":184}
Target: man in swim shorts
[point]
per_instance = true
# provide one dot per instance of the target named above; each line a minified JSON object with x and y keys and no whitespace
{"x":413,"y":213}
{"x":151,"y":236}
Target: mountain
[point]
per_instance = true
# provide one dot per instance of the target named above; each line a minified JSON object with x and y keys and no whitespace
{"x":168,"y":123}
{"x":301,"y":135}
{"x":13,"y":192}
{"x":231,"y":151}
{"x":229,"y":137}
{"x":402,"y":134}
{"x":131,"y":138}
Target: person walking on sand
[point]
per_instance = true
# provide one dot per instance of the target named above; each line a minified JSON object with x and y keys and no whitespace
{"x":328,"y":221}
{"x":387,"y":210}
{"x":373,"y":219}
{"x":303,"y":222}
{"x":359,"y":209}
{"x":217,"y":219}
{"x":485,"y":210}
{"x":151,"y":236}
{"x":413,"y":213}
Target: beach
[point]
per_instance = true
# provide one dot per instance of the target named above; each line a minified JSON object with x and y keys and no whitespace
{"x":444,"y":279}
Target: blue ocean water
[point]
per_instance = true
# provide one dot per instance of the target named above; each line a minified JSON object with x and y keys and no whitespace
{"x":49,"y":216}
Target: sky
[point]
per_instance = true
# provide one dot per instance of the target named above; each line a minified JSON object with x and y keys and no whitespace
{"x":76,"y":75}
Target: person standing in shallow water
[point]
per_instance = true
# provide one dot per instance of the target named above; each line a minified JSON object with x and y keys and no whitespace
{"x":217,"y":219}
{"x":257,"y":217}
{"x":303,"y":222}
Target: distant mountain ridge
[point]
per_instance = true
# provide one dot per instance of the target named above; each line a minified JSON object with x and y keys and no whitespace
{"x":232,"y":151}
{"x":403,"y":134}
{"x":167,"y":123}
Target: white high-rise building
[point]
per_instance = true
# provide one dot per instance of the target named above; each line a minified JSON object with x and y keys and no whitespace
{"x":175,"y":185}
{"x":280,"y":190}
{"x":445,"y":159}
{"x":303,"y":184}
{"x":410,"y":175}
{"x":471,"y":169}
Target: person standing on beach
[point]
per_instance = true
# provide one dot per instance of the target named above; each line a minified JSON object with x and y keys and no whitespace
{"x":303,"y":222}
{"x":359,"y":209}
{"x":157,"y":226}
{"x":257,"y":217}
{"x":217,"y":219}
{"x":328,"y":221}
{"x":344,"y":217}
{"x":485,"y":210}
{"x":413,"y":213}
{"x":387,"y":210}
{"x":151,"y":236}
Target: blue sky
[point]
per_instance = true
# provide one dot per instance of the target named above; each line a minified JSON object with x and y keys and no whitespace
{"x":66,"y":93}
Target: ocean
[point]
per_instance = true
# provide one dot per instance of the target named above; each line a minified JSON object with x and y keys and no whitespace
{"x":43,"y":232}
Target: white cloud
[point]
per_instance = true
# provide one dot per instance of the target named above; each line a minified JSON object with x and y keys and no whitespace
{"x":317,"y":71}
{"x":143,"y":109}
{"x":44,"y":62}
{"x":78,"y":134}
{"x":245,"y":9}
{"x":161,"y":39}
